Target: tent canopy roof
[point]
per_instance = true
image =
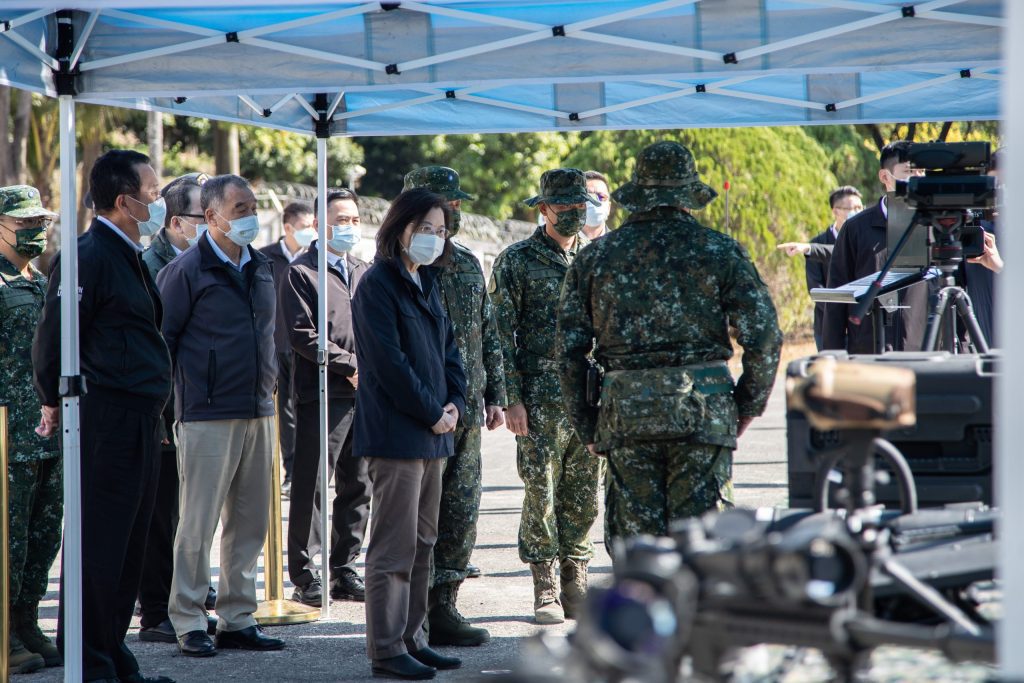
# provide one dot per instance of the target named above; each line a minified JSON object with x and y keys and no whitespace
{"x":371,"y":68}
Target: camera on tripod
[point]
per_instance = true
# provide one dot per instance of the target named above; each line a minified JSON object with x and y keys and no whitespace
{"x":948,"y":198}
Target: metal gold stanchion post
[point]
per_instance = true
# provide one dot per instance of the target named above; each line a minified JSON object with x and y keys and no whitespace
{"x":275,"y":610}
{"x":5,"y":598}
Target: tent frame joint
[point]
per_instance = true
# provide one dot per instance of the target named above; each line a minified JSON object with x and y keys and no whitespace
{"x":558,"y":31}
{"x":730,"y":58}
{"x":321,"y":122}
{"x":231,"y":37}
{"x":65,"y":78}
{"x":908,"y":12}
{"x":700,"y":87}
{"x":449,"y":94}
{"x":5,"y":26}
{"x":830,"y":107}
{"x":965,"y":73}
{"x":392,"y":70}
{"x":388,"y":6}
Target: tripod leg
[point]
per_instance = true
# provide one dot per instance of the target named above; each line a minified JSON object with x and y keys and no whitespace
{"x":931,"y":337}
{"x":929,"y":596}
{"x":965,"y":307}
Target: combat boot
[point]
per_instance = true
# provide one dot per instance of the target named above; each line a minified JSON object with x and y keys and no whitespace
{"x":574,"y":587}
{"x":26,"y":626}
{"x":446,"y":625}
{"x":546,"y":607}
{"x":20,"y":660}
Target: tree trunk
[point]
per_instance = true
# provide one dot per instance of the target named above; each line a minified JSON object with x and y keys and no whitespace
{"x":92,"y":148}
{"x":225,"y":147}
{"x":155,"y":138}
{"x":19,"y":145}
{"x":6,"y":160}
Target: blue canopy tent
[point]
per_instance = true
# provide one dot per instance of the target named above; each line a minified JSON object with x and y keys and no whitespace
{"x":325,"y":68}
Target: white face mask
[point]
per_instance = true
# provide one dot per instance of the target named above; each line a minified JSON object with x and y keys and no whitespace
{"x":304,"y":237}
{"x":200,"y":229}
{"x":243,"y":230}
{"x":424,"y":249}
{"x":597,"y":215}
{"x":157,"y":213}
{"x":344,"y":237}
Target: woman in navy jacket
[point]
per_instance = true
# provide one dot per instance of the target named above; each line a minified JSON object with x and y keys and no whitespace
{"x":412,"y":390}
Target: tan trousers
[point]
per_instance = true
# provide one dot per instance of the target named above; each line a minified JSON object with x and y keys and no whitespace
{"x":406,"y":496}
{"x":224,"y":469}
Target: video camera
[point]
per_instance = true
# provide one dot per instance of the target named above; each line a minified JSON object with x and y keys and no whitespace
{"x":949,"y":197}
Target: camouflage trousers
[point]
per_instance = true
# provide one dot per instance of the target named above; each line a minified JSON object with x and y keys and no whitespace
{"x":36,"y":513}
{"x":460,"y":508}
{"x":649,"y":485}
{"x":561,"y":480}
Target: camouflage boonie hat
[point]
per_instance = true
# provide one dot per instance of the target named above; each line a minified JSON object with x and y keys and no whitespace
{"x":665,"y":175}
{"x":562,"y":186}
{"x":439,"y":179}
{"x":22,"y":201}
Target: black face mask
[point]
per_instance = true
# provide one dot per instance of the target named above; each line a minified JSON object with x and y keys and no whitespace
{"x":570,"y":222}
{"x":28,"y":242}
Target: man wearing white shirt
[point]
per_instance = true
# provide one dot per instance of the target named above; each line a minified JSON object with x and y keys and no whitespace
{"x":298,"y":313}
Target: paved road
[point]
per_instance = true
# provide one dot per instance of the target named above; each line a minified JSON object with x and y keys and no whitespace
{"x":501,"y":601}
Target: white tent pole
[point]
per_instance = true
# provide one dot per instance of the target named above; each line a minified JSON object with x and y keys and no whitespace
{"x":1009,"y":470}
{"x":71,"y":562}
{"x":321,"y":345}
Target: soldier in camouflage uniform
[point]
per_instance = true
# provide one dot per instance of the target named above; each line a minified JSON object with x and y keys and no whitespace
{"x":656,"y":298}
{"x":34,"y":470}
{"x":463,"y":292}
{"x":560,"y":477}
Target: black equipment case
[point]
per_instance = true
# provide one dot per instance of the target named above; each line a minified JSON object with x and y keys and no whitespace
{"x":950,"y":448}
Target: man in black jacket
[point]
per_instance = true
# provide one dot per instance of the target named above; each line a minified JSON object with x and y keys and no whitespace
{"x":845,"y":203}
{"x":127,"y":369}
{"x":298,"y":313}
{"x":181,"y":230}
{"x":861,"y":249}
{"x":297,"y":222}
{"x":219,"y":327}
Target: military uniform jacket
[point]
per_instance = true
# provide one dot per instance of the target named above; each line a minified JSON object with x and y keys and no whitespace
{"x":525,"y":285}
{"x":21,"y":301}
{"x":663,"y":291}
{"x":464,"y":295}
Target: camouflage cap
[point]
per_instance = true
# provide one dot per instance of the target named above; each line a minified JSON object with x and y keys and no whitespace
{"x":439,"y":179}
{"x":22,"y":201}
{"x":562,"y":186}
{"x":665,"y":175}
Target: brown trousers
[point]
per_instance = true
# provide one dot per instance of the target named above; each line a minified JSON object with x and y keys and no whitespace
{"x":405,"y":499}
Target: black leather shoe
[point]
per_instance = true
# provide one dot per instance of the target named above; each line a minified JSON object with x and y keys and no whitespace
{"x":348,"y":586}
{"x":472,"y":571}
{"x":161,"y":633}
{"x":311,"y":594}
{"x":436,"y":659}
{"x":404,"y":667}
{"x":139,"y":678}
{"x":251,"y":638}
{"x":211,"y":625}
{"x":211,"y":599}
{"x":196,"y":644}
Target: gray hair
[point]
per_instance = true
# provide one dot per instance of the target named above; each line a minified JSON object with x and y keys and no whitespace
{"x":215,"y":188}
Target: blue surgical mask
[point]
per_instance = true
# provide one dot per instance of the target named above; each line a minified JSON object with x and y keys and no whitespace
{"x":424,"y":249}
{"x":344,"y":237}
{"x":157,"y":213}
{"x":304,"y":237}
{"x":200,"y":229}
{"x":243,"y":230}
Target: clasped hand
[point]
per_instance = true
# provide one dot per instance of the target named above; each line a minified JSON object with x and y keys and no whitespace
{"x":449,"y":418}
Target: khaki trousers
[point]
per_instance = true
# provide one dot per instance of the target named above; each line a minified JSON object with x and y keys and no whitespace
{"x":224,"y":469}
{"x":406,"y":497}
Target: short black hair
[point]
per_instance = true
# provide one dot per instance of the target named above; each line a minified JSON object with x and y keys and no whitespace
{"x":215,"y":187}
{"x":410,"y":207}
{"x":336,"y":195}
{"x":893,"y":153}
{"x":114,"y":174}
{"x":595,"y":175}
{"x":840,"y":192}
{"x":178,"y":193}
{"x":294,"y":210}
